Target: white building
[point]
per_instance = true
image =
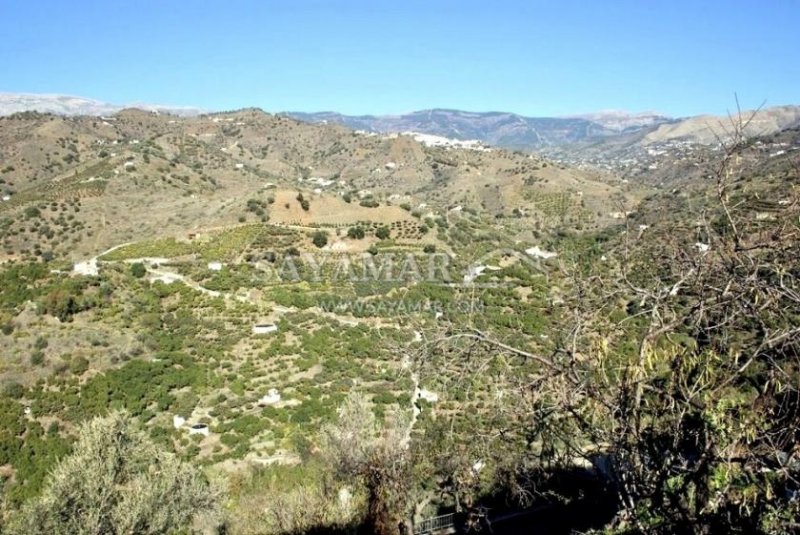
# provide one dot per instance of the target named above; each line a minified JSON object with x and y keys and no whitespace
{"x":215,"y":266}
{"x":264,"y":328}
{"x":199,"y":429}
{"x":427,"y":395}
{"x":270,"y":398}
{"x":89,"y":268}
{"x":473,"y":273}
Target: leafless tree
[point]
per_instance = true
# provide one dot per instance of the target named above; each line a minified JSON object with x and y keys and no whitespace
{"x":677,"y":365}
{"x":375,"y":454}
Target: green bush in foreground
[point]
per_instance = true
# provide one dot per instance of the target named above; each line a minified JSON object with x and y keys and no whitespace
{"x":117,"y":481}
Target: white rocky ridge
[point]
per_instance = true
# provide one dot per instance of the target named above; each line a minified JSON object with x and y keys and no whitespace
{"x":11,"y":103}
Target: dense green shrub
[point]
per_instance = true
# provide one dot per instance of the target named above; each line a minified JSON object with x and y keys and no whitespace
{"x":320,"y":238}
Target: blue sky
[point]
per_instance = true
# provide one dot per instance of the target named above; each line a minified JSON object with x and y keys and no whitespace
{"x":535,"y":58}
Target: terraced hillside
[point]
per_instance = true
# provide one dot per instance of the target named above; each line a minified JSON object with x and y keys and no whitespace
{"x":75,"y":186}
{"x":193,"y":269}
{"x":236,"y":284}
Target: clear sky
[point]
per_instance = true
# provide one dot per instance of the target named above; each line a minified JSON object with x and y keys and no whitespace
{"x":679,"y":57}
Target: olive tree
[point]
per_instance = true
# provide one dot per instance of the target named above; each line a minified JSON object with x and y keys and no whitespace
{"x":118,"y":481}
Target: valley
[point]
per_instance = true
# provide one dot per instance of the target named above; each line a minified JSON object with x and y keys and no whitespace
{"x":399,"y":268}
{"x":230,"y":280}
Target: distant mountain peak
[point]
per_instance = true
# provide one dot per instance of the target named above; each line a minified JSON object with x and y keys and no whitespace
{"x":11,"y":103}
{"x":502,"y":129}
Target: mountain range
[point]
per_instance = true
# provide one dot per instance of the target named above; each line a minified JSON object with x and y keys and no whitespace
{"x":11,"y":103}
{"x":200,"y":171}
{"x":605,"y":138}
{"x":233,"y":280}
{"x":507,"y":130}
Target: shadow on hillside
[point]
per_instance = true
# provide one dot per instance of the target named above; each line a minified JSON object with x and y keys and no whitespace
{"x":572,"y":500}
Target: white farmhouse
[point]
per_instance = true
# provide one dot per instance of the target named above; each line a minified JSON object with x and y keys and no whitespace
{"x":427,"y":395}
{"x":270,"y":398}
{"x":264,"y":328}
{"x":199,"y":429}
{"x":89,"y":268}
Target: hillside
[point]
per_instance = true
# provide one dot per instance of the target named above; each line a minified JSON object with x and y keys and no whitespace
{"x":676,"y":152}
{"x":293,"y":309}
{"x":518,"y":132}
{"x":74,"y":186}
{"x":635,"y":146}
